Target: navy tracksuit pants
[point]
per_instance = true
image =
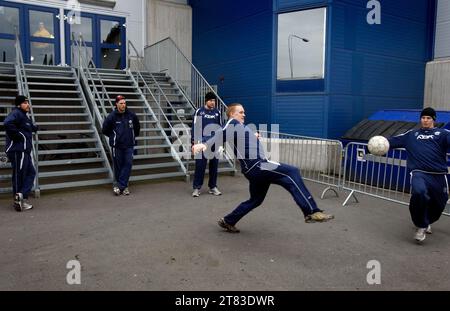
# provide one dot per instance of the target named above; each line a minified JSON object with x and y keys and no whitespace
{"x":23,"y":172}
{"x":261,"y":177}
{"x":200,"y":167}
{"x":123,"y":162}
{"x":429,"y":195}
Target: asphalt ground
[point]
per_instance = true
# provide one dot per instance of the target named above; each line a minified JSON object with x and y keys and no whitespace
{"x":160,"y":238}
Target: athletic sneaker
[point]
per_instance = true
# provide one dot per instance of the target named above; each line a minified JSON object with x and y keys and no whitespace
{"x":18,"y":202}
{"x":196,"y":193}
{"x":215,"y":191}
{"x":228,"y":227}
{"x":26,"y":205}
{"x":429,"y":231}
{"x":420,"y":235}
{"x":126,"y":191}
{"x":318,"y":217}
{"x":116,"y":190}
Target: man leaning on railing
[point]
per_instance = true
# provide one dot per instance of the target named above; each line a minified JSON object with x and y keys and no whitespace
{"x":19,"y":142}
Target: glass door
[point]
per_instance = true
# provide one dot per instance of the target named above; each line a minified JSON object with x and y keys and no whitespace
{"x":86,"y":30}
{"x":112,"y":43}
{"x":43,"y":36}
{"x":10,"y":14}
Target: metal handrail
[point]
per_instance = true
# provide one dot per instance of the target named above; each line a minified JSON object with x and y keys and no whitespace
{"x":23,"y":89}
{"x":158,"y":104}
{"x":198,"y":80}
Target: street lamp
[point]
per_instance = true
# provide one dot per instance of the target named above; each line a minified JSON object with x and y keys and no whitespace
{"x":291,"y":36}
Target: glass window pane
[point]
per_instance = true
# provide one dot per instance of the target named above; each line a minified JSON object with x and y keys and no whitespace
{"x":7,"y":51}
{"x":301,"y":45}
{"x":111,"y":58}
{"x":110,"y":32}
{"x":41,"y":24}
{"x":42,"y":55}
{"x":9,"y":19}
{"x":86,"y":54}
{"x":85,"y":29}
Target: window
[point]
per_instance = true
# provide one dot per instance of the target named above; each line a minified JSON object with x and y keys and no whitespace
{"x":301,"y":45}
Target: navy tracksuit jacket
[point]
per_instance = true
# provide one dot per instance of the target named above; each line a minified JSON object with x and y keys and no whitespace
{"x":122,"y":130}
{"x":260,"y":172}
{"x":205,"y":122}
{"x":19,"y":139}
{"x":427,"y":161}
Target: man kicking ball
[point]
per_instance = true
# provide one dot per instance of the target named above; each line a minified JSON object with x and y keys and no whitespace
{"x":260,"y":172}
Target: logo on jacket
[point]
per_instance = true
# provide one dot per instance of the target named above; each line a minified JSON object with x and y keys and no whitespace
{"x":209,"y":116}
{"x":437,"y":133}
{"x":425,"y":137}
{"x":130,"y":123}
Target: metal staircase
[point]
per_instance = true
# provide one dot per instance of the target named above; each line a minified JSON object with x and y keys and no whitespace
{"x":70,"y":151}
{"x":155,"y":155}
{"x":8,"y":91}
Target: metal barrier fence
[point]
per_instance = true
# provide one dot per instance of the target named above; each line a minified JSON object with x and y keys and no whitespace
{"x":319,"y":160}
{"x":384,"y":177}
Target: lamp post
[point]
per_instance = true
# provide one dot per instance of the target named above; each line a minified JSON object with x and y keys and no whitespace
{"x":291,"y":36}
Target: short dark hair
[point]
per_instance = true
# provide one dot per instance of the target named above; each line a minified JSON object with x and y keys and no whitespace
{"x":231,"y":108}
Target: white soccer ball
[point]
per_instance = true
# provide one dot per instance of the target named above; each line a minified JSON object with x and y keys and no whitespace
{"x":378,"y":145}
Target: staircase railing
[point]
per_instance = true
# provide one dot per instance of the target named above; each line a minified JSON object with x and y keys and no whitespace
{"x":161,"y":114}
{"x":22,"y":84}
{"x":166,"y":56}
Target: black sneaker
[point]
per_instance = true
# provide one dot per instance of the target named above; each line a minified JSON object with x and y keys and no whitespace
{"x":228,"y":227}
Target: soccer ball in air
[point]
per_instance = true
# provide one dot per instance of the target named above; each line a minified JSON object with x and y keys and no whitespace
{"x":378,"y":145}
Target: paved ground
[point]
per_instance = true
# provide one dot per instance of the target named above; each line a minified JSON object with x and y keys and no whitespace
{"x":160,"y":238}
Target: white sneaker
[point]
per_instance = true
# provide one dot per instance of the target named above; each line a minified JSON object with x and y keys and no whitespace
{"x":26,"y":205}
{"x":196,"y":193}
{"x":126,"y":191}
{"x":116,"y":190}
{"x":420,"y":235}
{"x":429,"y":231}
{"x":215,"y":191}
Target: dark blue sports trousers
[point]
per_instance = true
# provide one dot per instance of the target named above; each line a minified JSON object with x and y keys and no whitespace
{"x":23,"y":172}
{"x":261,"y":177}
{"x":200,"y":167}
{"x":123,"y":162}
{"x":429,"y":195}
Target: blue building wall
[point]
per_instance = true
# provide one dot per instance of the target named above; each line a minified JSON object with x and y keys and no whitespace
{"x":368,"y":67}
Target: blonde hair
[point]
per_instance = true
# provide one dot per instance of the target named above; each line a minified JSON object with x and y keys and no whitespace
{"x":232,"y":108}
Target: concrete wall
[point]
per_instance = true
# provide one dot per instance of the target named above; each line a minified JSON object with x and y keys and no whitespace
{"x":437,"y":91}
{"x":170,"y":19}
{"x":442,"y":41}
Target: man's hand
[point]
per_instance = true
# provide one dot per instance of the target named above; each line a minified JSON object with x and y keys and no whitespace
{"x":198,"y":148}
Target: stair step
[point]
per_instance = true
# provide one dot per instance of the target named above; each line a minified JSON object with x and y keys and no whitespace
{"x":56,"y":99}
{"x":70,"y":161}
{"x":60,"y":114}
{"x":65,"y":132}
{"x":73,"y":172}
{"x":65,"y":151}
{"x":57,"y":107}
{"x":63,"y":123}
{"x":53,"y":84}
{"x":151,"y":146}
{"x":152,"y":156}
{"x":156,"y":165}
{"x":42,"y":77}
{"x":54,"y":91}
{"x":66,"y":141}
{"x":157,"y":176}
{"x":82,"y":183}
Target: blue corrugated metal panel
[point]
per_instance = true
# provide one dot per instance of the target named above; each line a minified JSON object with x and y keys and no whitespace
{"x":256,"y":108}
{"x":241,"y":77}
{"x":290,"y":4}
{"x":408,"y":9}
{"x":302,"y":115}
{"x":223,"y":44}
{"x":212,"y":14}
{"x":395,"y":36}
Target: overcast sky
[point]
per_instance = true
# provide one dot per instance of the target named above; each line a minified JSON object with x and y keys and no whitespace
{"x":307,"y":57}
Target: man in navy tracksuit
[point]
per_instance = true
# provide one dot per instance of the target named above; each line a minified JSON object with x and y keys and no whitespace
{"x":427,"y":161}
{"x":19,"y":139}
{"x":122,"y":127}
{"x":209,"y":118}
{"x":260,"y":172}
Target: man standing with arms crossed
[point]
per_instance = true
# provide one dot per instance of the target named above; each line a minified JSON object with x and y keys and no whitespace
{"x":208,"y":115}
{"x":19,"y":143}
